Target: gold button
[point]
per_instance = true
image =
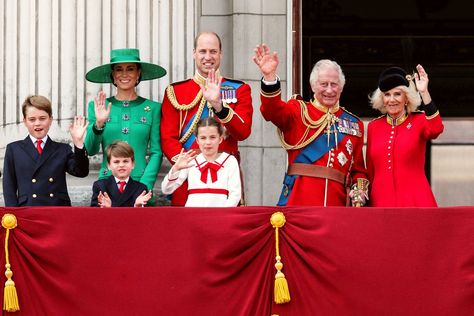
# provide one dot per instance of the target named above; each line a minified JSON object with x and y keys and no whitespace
{"x":51,"y":195}
{"x":34,"y":196}
{"x":33,"y":180}
{"x":51,"y":180}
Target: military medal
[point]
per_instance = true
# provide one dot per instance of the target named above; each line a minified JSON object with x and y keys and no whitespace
{"x":228,"y":94}
{"x":224,"y":96}
{"x":355,"y":129}
{"x":343,"y":126}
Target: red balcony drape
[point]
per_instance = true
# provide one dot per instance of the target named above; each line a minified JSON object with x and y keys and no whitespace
{"x":220,"y":261}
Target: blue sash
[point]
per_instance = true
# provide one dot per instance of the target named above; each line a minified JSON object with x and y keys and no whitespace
{"x":230,"y":84}
{"x":190,"y":141}
{"x":225,"y":86}
{"x":312,"y":153}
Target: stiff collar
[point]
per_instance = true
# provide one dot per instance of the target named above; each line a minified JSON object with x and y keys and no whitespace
{"x":200,"y":79}
{"x":399,"y":120}
{"x":117,"y":180}
{"x":44,"y":139}
{"x":323,"y":108}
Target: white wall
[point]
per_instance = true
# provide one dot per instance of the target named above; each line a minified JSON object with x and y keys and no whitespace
{"x":47,"y":46}
{"x":48,"y":49}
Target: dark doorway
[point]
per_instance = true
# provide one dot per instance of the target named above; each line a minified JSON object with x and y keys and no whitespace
{"x":366,"y":36}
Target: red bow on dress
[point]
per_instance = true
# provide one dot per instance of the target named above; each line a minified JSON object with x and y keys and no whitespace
{"x":212,"y":167}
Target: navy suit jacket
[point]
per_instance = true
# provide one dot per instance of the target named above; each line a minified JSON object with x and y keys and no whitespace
{"x":127,"y":198}
{"x":31,"y":179}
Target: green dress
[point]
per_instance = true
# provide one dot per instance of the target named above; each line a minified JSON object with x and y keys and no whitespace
{"x":136,"y":122}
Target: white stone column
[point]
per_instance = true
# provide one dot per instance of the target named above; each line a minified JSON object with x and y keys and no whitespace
{"x":47,"y":46}
{"x":242,"y":25}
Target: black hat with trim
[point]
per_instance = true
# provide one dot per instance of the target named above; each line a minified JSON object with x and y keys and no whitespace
{"x":392,"y":77}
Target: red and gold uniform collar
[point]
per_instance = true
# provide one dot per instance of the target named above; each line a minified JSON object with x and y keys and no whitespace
{"x":200,"y":79}
{"x":399,"y":120}
{"x":323,"y":108}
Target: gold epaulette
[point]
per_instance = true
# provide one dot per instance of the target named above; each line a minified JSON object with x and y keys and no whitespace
{"x":181,"y":107}
{"x":345,"y":110}
{"x":379,"y":117}
{"x":233,"y":80}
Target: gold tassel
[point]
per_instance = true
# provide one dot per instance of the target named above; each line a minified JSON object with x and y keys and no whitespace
{"x":281,"y":290}
{"x":10,"y":297}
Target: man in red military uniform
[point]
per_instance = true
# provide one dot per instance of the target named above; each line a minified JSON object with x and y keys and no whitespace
{"x":324,"y":141}
{"x":186,"y":102}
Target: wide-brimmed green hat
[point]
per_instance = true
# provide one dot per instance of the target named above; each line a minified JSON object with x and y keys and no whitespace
{"x":101,"y":74}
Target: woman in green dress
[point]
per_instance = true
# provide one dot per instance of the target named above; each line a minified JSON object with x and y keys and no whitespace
{"x":126,"y":116}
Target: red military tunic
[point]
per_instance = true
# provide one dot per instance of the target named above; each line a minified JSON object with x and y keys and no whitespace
{"x":346,"y":157}
{"x":396,"y":159}
{"x":183,"y":100}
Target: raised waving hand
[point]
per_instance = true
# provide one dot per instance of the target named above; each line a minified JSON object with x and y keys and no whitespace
{"x":267,"y":62}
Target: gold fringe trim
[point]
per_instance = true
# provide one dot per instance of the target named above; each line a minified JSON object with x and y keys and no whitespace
{"x":196,"y":119}
{"x":10,"y":297}
{"x":281,"y":291}
{"x":325,"y":121}
{"x":182,"y":107}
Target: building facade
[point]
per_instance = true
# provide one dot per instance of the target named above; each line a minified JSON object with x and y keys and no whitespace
{"x":47,"y":46}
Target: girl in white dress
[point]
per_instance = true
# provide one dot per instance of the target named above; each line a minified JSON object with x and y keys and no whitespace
{"x":213,"y":177}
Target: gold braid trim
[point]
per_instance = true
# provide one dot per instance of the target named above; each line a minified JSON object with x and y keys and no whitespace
{"x":229,"y":116}
{"x":182,"y":107}
{"x":270,"y":94}
{"x":195,"y":121}
{"x":325,"y":121}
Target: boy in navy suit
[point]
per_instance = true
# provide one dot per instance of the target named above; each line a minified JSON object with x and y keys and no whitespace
{"x":34,"y":172}
{"x":120,"y":189}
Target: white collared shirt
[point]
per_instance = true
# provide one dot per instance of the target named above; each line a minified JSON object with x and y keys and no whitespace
{"x":117,"y":181}
{"x":44,"y":139}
